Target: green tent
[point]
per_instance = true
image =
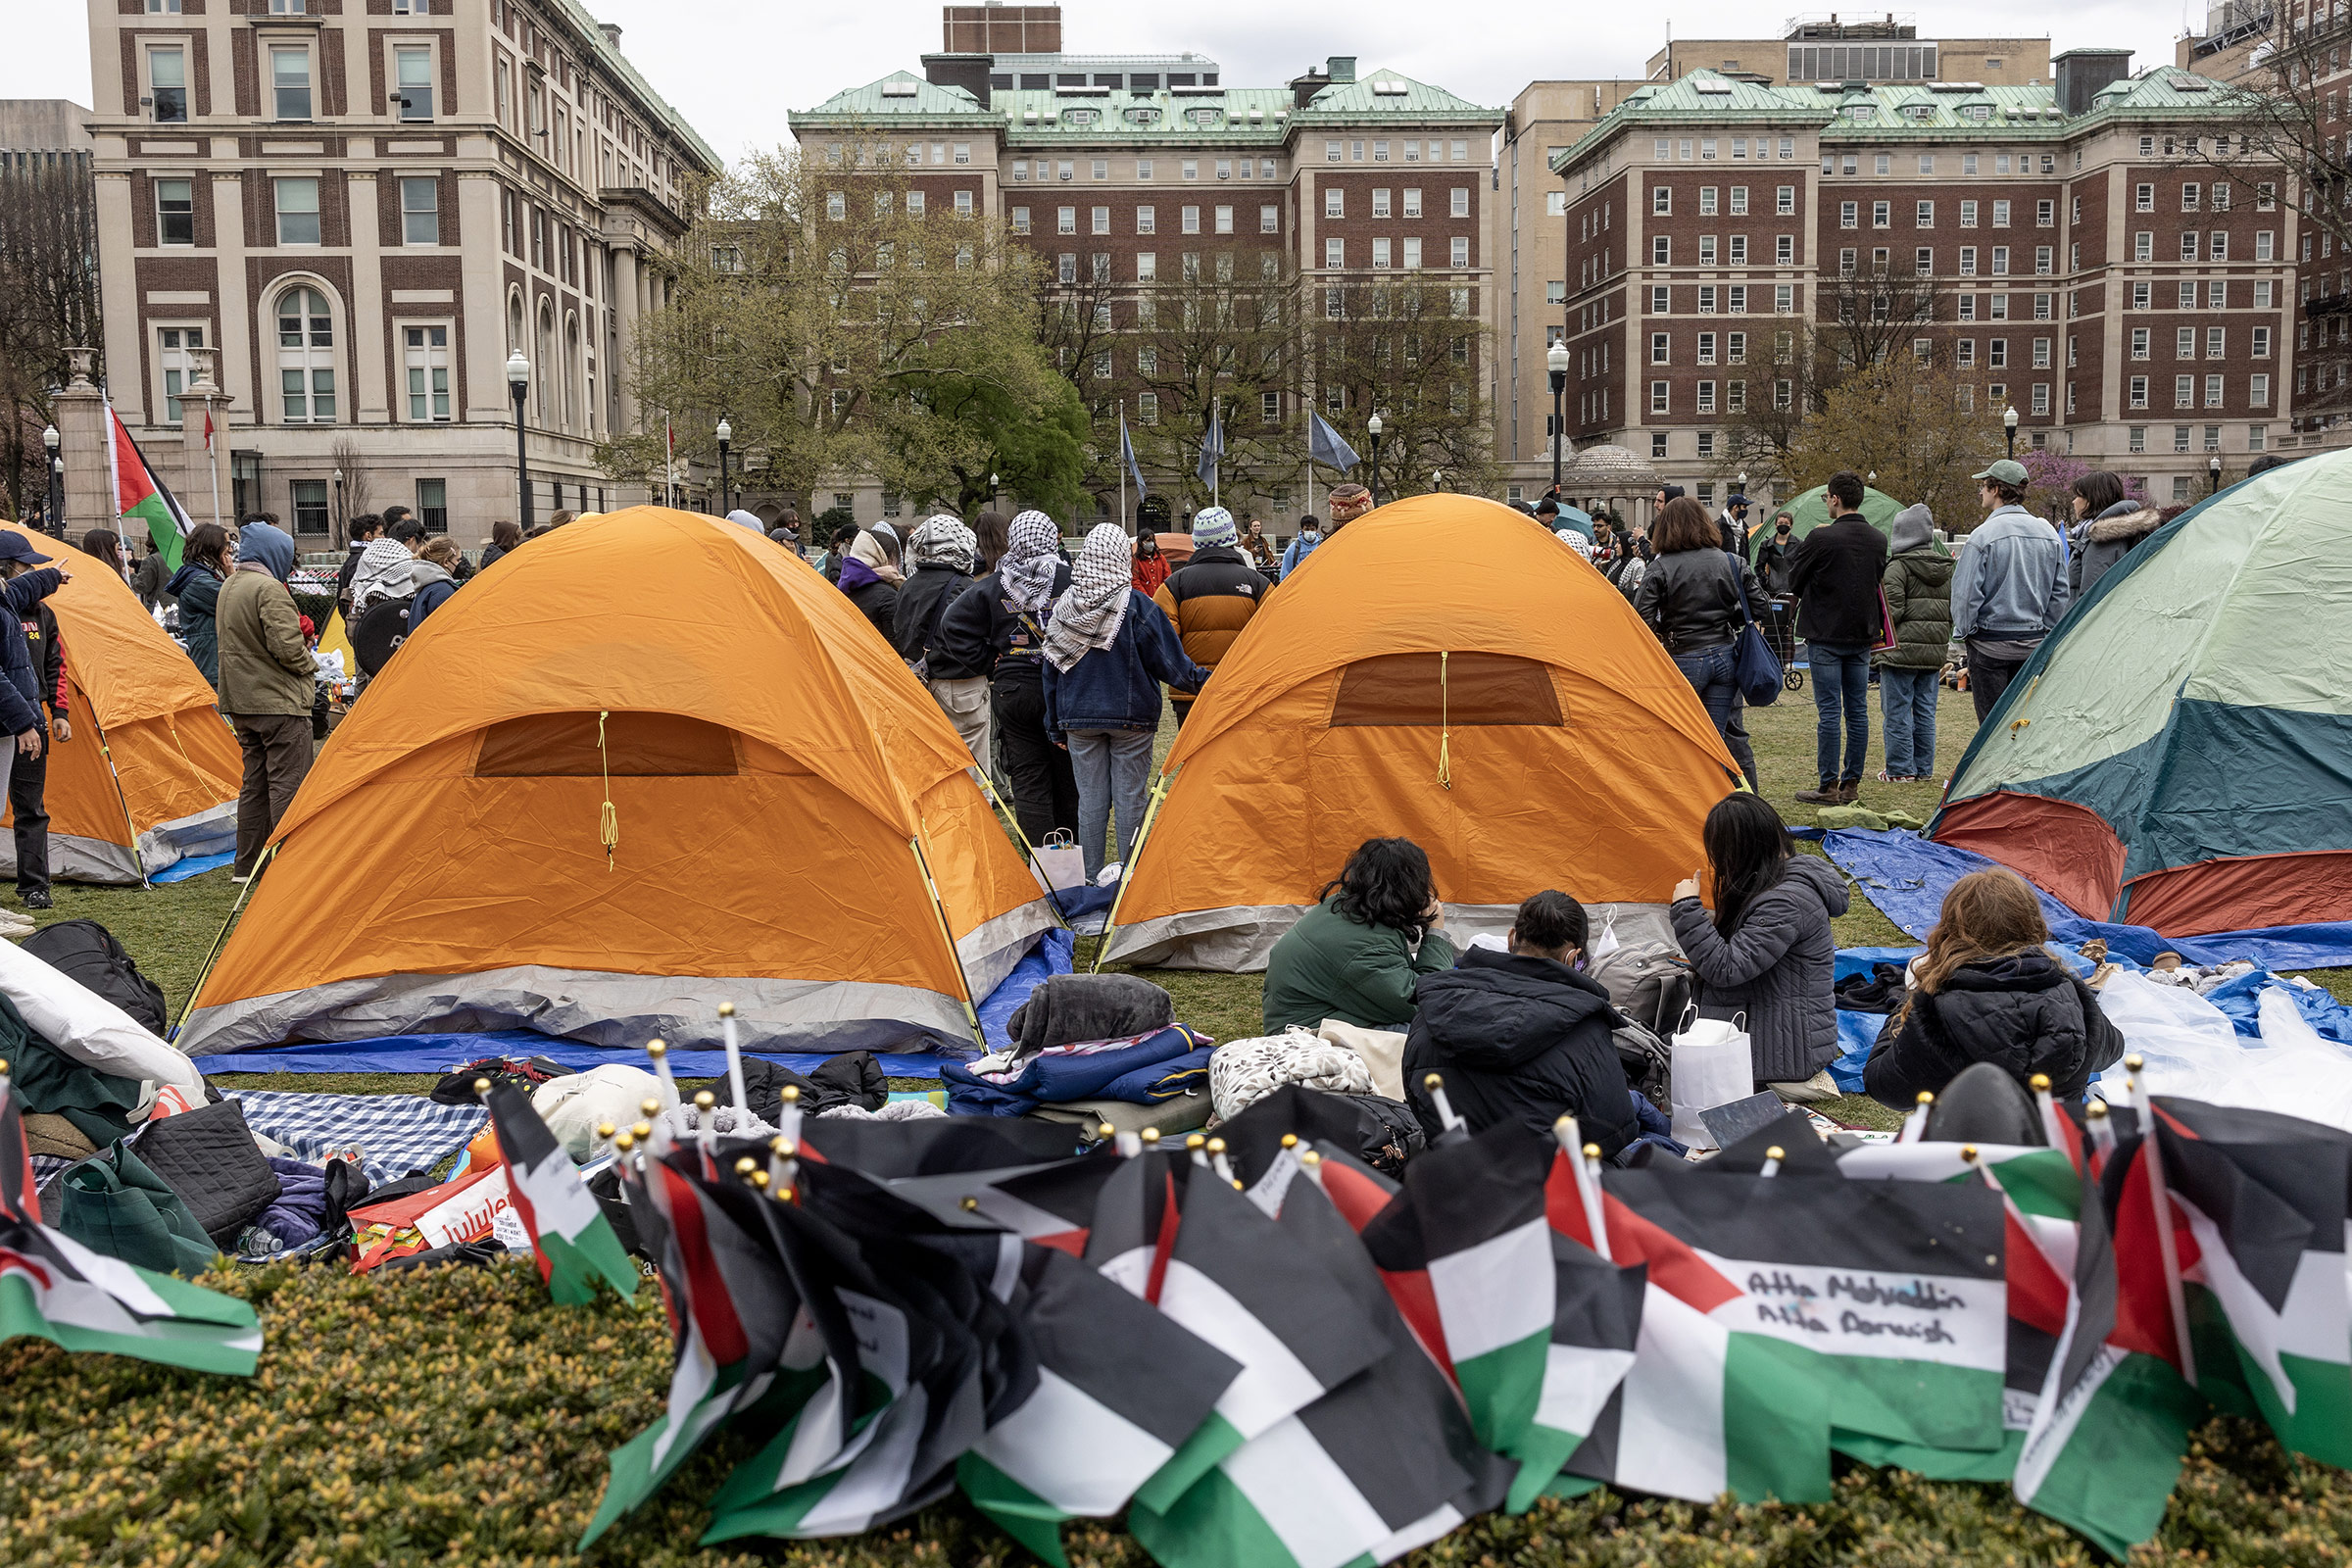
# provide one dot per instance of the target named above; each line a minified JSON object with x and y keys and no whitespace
{"x":1811,"y":510}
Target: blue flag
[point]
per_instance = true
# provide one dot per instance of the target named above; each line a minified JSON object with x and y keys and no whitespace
{"x":1323,"y":444}
{"x":1213,"y":449}
{"x":1127,"y":456}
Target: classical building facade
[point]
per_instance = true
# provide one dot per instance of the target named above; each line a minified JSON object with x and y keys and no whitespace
{"x":2134,"y":310}
{"x":351,"y":216}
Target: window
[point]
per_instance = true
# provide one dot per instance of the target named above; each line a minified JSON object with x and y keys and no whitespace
{"x":1147,"y":221}
{"x":1968,"y":215}
{"x":175,"y":211}
{"x":1659,"y":392}
{"x":1380,"y":252}
{"x":1066,"y":269}
{"x":290,"y":81}
{"x":1146,"y":266}
{"x":1968,"y":353}
{"x":2261,"y":349}
{"x":1660,"y":302}
{"x":2000,"y":261}
{"x":2181,"y":437}
{"x":1102,"y":365}
{"x":963,"y":152}
{"x":1147,"y":407}
{"x":1706,"y":397}
{"x":1849,"y":215}
{"x":2188,"y":245}
{"x":1657,"y":443}
{"x":2140,"y":297}
{"x":1998,"y":358}
{"x":311,"y":514}
{"x":1660,"y":347}
{"x":2263,"y":294}
{"x":1739,"y":201}
{"x":837,"y":206}
{"x":2144,"y":198}
{"x":1968,"y":261}
{"x":2215,"y":338}
{"x":2213,"y":438}
{"x":1925,"y":215}
{"x":2000,"y":214}
{"x":2045,"y":213}
{"x":1099,"y":221}
{"x":1020,"y":220}
{"x":420,"y":211}
{"x":1706,"y":348}
{"x":178,"y":365}
{"x":2139,"y":342}
{"x":1412,"y":200}
{"x":297,"y":212}
{"x":2043,"y":261}
{"x":1784,"y":201}
{"x":1461,"y":250}
{"x":2140,"y":400}
{"x":1269,"y":407}
{"x":2258,"y":395}
{"x":1413,"y":254}
{"x":1380,"y":202}
{"x":2041,"y":354}
{"x":1335,"y":253}
{"x":1334,"y":202}
{"x":167,"y":85}
{"x":1707,"y":250}
{"x":1223,"y":219}
{"x":2184,"y":393}
{"x":413,"y":80}
{"x":2264,"y":244}
{"x":2213,"y":391}
{"x":1783,"y":298}
{"x":1662,"y":250}
{"x":914,"y":203}
{"x":425,"y":357}
{"x":1783,"y":249}
{"x":1101,"y":169}
{"x":1066,"y":220}
{"x":1708,"y":206}
{"x":1462,"y":201}
{"x":306,"y":360}
{"x":2217,"y":294}
{"x":1190,"y":169}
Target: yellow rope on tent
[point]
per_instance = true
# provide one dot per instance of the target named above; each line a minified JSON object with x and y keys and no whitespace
{"x":609,"y":822}
{"x":1445,"y":725}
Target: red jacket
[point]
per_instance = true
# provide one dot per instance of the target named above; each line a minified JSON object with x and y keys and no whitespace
{"x":1150,"y":573}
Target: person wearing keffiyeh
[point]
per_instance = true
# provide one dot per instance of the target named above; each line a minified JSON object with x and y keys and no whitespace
{"x":941,"y":548}
{"x":998,"y":630}
{"x":1107,"y":649}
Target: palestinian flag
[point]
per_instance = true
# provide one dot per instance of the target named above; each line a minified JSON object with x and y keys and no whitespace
{"x":570,"y":1237}
{"x":2262,"y":1200}
{"x":1120,"y":1389}
{"x":141,"y":498}
{"x":1053,"y":1206}
{"x":2112,"y":1425}
{"x":1763,"y":1294}
{"x":730,"y":1307}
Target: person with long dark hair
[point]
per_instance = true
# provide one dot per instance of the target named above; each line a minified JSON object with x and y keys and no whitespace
{"x":2108,"y":525}
{"x":104,"y":544}
{"x":204,"y":566}
{"x":1360,"y":952}
{"x":505,"y":537}
{"x":998,"y":626}
{"x":1690,"y":597}
{"x":991,"y":532}
{"x":1766,"y":955}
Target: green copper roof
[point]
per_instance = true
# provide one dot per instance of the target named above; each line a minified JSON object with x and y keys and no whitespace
{"x":901,"y":95}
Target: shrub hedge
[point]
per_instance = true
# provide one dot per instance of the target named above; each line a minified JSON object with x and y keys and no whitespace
{"x":453,"y":1416}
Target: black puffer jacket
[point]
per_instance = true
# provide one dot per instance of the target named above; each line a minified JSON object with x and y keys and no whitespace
{"x":2026,"y":1013}
{"x":923,"y":601}
{"x":1691,"y":599}
{"x":983,"y":634}
{"x":1518,"y":1039}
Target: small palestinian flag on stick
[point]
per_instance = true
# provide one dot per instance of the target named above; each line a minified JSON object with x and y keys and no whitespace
{"x":570,"y":1237}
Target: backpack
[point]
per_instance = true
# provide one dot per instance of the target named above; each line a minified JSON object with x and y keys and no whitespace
{"x":85,"y":952}
{"x":1645,"y":1057}
{"x":1649,"y":982}
{"x":1380,"y":1132}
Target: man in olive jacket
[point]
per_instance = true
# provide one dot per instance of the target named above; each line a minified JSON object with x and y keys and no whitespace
{"x":268,"y":684}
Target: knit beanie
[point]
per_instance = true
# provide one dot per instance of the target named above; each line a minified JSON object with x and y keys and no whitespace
{"x":1213,"y":525}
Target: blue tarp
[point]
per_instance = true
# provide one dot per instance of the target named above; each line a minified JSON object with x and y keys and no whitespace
{"x":1907,"y":876}
{"x":189,"y":865}
{"x":440,"y":1053}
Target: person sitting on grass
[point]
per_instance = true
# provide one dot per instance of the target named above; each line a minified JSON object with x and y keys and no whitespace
{"x":1360,"y":952}
{"x":1522,"y":1035}
{"x":1989,"y":989}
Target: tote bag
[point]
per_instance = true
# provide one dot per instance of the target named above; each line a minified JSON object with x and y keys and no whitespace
{"x":1754,"y":671}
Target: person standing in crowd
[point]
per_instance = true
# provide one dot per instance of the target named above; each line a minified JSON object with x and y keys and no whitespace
{"x":1633,"y":563}
{"x":1732,"y":521}
{"x":204,"y":566}
{"x":106,"y":545}
{"x":432,"y":578}
{"x":2108,"y":526}
{"x":1522,"y":1035}
{"x":1349,"y":501}
{"x":33,"y":662}
{"x":1150,"y":568}
{"x":1836,"y":573}
{"x":1256,"y":548}
{"x":1302,"y":546}
{"x":1772,"y":556}
{"x":871,"y":580}
{"x":1919,"y":601}
{"x":267,"y":685}
{"x":1359,"y":954}
{"x":383,"y":567}
{"x":787,"y":531}
{"x":1767,"y":953}
{"x":999,"y":627}
{"x":1991,"y":989}
{"x":837,"y":552}
{"x":2009,"y":588}
{"x":1108,"y":651}
{"x":1211,"y":596}
{"x":990,"y":530}
{"x":943,"y":564}
{"x":505,"y":537}
{"x":148,"y":579}
{"x":1690,"y":597}
{"x":365,"y":530}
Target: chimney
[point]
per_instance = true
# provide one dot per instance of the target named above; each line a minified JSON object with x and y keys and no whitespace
{"x":1343,"y":68}
{"x":612,"y":32}
{"x":1303,"y":88}
{"x":968,"y":71}
{"x":2078,"y":75}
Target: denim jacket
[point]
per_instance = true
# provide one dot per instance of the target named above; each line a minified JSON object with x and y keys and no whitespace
{"x":2011,"y":578}
{"x":1118,"y":687}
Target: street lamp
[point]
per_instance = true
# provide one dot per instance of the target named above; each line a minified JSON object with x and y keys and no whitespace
{"x":726,"y":434}
{"x":1556,"y":360}
{"x":992,"y":492}
{"x":57,"y":482}
{"x":2009,"y":427}
{"x":2213,"y":470}
{"x":1437,"y":480}
{"x":340,"y":533}
{"x":518,"y":383}
{"x":1372,"y":429}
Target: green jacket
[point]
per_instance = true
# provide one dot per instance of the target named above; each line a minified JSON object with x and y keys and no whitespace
{"x":1919,"y":597}
{"x":1329,"y":966}
{"x":264,"y":665}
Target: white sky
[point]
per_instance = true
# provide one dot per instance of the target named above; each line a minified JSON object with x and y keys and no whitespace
{"x":735,"y":70}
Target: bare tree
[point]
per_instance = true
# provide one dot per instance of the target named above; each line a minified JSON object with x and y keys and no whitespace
{"x":48,"y":301}
{"x":1410,"y":351}
{"x":357,"y":492}
{"x":1868,"y":312}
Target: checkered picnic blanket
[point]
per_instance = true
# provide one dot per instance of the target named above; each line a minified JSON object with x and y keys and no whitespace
{"x":394,"y":1135}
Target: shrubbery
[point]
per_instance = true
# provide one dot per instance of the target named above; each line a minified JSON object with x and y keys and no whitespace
{"x":455,"y":1417}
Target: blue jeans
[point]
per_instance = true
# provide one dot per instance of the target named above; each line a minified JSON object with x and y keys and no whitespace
{"x":1909,"y":698}
{"x":1841,"y":691}
{"x":1114,"y":770}
{"x":1711,"y":672}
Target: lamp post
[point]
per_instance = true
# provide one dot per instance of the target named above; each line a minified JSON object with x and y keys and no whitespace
{"x":1556,"y":360}
{"x":51,"y":440}
{"x":2213,"y":472}
{"x":726,"y":434}
{"x":1372,"y":429}
{"x":341,"y":532}
{"x":519,"y":383}
{"x":2009,"y":427}
{"x":1437,"y":480}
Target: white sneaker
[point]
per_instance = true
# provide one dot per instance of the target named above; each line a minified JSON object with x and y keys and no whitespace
{"x":239,"y":877}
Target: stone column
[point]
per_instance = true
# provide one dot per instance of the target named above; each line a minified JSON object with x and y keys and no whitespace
{"x":79,"y":411}
{"x":624,"y":309}
{"x":207,"y":491}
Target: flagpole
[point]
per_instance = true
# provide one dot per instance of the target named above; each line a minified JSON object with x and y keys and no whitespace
{"x":1216,"y":475}
{"x":114,"y":468}
{"x":1122,"y":462}
{"x":211,"y":458}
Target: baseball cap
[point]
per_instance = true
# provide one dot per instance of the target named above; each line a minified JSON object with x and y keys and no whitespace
{"x":1737,"y":501}
{"x":14,"y":545}
{"x":2005,"y":471}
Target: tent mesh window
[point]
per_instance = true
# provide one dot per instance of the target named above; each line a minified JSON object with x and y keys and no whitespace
{"x":633,"y":746}
{"x":1432,"y":691}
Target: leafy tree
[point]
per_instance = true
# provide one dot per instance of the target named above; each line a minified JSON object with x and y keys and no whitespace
{"x":1921,"y":429}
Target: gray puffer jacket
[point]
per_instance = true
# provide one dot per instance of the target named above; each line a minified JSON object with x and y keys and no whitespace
{"x":2108,"y":538}
{"x":1776,"y":967}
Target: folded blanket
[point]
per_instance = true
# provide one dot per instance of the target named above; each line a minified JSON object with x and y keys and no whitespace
{"x":1187,"y":1074}
{"x":1079,"y":1070}
{"x":1246,"y":1071}
{"x":1067,"y":1009}
{"x":299,"y":1211}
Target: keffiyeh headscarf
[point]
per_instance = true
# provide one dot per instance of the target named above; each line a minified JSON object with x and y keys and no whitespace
{"x":943,"y":541}
{"x":1029,"y":561}
{"x":1089,"y":615}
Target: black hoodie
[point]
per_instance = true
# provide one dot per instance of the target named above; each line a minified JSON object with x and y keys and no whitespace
{"x":2026,"y":1013}
{"x":1522,"y":1039}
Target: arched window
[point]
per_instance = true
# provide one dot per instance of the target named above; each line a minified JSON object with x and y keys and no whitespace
{"x":306,"y":357}
{"x":575,"y":416}
{"x":546,"y":370}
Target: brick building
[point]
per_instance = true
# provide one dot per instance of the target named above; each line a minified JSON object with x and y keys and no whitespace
{"x":2136,"y":312}
{"x":352,"y":215}
{"x":1138,"y":173}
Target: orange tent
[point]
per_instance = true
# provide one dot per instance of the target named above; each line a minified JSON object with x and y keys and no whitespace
{"x":1440,"y":670}
{"x":151,"y":774}
{"x":645,"y":765}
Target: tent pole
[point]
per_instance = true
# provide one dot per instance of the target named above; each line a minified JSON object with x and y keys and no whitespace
{"x":121,"y":799}
{"x":213,"y":956}
{"x":972,"y":1012}
{"x":1159,"y":791}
